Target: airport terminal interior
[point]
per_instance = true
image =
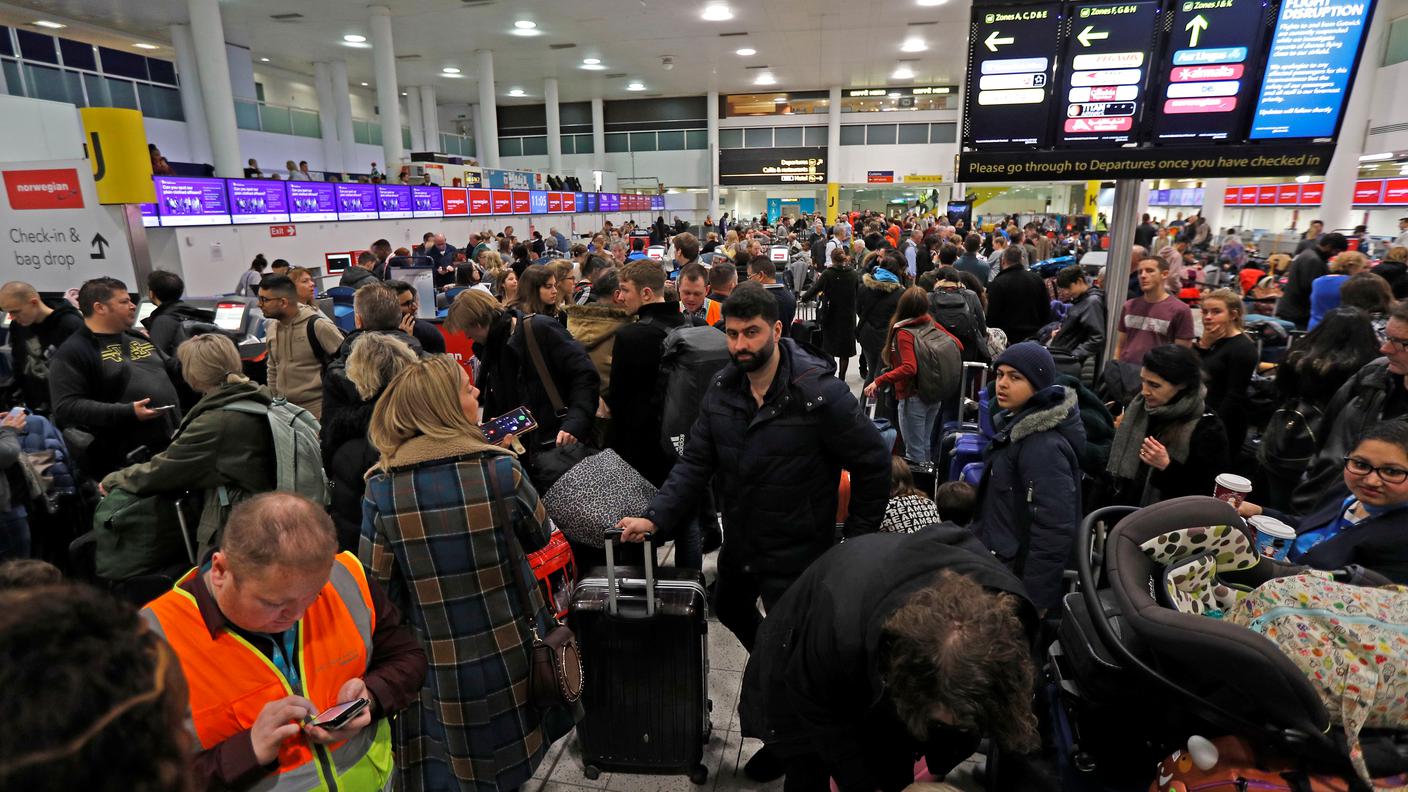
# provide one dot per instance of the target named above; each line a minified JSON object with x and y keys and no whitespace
{"x":647,"y":395}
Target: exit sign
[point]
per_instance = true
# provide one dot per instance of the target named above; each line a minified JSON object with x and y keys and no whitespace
{"x":282,"y":231}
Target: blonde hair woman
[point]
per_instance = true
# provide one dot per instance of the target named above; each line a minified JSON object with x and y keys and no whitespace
{"x":218,"y":449}
{"x":434,"y":532}
{"x":375,"y":359}
{"x":1325,"y":290}
{"x":1229,"y":358}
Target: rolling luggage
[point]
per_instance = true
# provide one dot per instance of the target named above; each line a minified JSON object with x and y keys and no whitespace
{"x":645,"y":652}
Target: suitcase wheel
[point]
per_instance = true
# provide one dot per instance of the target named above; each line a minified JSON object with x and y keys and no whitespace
{"x":698,"y":776}
{"x":592,"y":772}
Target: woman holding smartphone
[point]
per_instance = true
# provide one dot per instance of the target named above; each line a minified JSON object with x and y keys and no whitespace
{"x":445,"y":513}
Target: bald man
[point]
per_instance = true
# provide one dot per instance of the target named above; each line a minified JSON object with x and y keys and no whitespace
{"x":36,"y":330}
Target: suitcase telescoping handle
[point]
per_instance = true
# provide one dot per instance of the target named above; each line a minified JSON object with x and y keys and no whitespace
{"x":613,"y":584}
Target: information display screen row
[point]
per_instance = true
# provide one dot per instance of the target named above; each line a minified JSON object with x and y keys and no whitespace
{"x":1161,"y":72}
{"x":192,"y":202}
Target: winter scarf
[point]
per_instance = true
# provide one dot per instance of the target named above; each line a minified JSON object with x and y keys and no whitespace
{"x":423,"y":448}
{"x":1180,"y":416}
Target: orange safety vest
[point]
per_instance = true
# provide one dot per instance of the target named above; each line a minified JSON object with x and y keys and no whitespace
{"x":230,"y":680}
{"x":713,"y":311}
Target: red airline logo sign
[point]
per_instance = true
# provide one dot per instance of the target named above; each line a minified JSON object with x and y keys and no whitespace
{"x":456,"y":202}
{"x":520,"y":203}
{"x":56,"y":188}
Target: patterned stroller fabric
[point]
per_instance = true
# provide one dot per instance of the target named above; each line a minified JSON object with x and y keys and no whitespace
{"x":1351,"y":642}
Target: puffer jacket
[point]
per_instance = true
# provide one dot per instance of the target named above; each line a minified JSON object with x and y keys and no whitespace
{"x":226,"y":454}
{"x":594,"y":326}
{"x":1083,"y":330}
{"x":780,"y":464}
{"x":294,"y":370}
{"x":47,"y":454}
{"x":1029,"y":497}
{"x":1357,"y":405}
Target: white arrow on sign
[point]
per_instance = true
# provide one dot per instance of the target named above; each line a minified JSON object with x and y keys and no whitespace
{"x":1088,"y":35}
{"x":994,"y":40}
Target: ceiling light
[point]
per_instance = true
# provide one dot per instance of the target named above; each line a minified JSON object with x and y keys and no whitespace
{"x":903,"y":72}
{"x":717,"y":12}
{"x":142,"y":45}
{"x":451,"y":70}
{"x":893,"y":94}
{"x":516,"y":92}
{"x":528,"y":31}
{"x":261,"y":60}
{"x":403,"y":93}
{"x":44,"y":23}
{"x":765,"y":78}
{"x":364,"y":85}
{"x":593,"y":66}
{"x":590,"y":61}
{"x":932,"y":2}
{"x":525,"y":24}
{"x":1376,"y":157}
{"x":353,"y":38}
{"x":913,"y":45}
{"x":747,"y":52}
{"x":636,"y":86}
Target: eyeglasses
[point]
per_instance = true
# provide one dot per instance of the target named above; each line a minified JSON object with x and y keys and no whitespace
{"x":263,"y":300}
{"x":1389,"y":474}
{"x":1401,"y":344}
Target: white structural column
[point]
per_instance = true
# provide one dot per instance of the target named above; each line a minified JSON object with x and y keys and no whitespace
{"x":1214,"y":201}
{"x":192,"y":105}
{"x":342,"y":96}
{"x":712,"y":114}
{"x":833,"y":128}
{"x":487,"y":146}
{"x":327,"y":117}
{"x":1337,"y":203}
{"x":598,"y":134}
{"x":554,"y":124}
{"x":388,"y":95}
{"x":430,"y":118}
{"x":476,"y":116}
{"x":213,"y":71}
{"x":413,"y":111}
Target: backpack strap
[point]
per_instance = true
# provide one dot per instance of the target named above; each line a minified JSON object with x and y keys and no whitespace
{"x":322,"y":355}
{"x":536,"y":353}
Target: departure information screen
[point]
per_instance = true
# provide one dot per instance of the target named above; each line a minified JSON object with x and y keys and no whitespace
{"x":1308,"y":73}
{"x":1209,"y":70}
{"x":1012,"y":61}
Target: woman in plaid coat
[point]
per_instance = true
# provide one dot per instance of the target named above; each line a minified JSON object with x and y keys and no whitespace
{"x":430,"y":536}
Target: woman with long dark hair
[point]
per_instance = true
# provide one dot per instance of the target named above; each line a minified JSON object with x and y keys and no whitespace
{"x":902,"y":357}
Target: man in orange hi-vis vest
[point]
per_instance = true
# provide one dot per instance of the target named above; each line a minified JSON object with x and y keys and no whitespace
{"x":273,"y":630}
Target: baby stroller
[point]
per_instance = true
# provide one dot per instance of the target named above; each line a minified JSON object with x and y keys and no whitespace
{"x":1122,"y":647}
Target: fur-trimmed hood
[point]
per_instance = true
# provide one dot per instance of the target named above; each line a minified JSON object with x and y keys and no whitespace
{"x":1051,"y":408}
{"x":594,"y":321}
{"x":870,"y":282}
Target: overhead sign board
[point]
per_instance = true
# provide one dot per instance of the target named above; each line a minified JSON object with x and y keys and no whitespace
{"x":57,"y":233}
{"x":791,"y":165}
{"x":1011,"y":56}
{"x":1105,"y":72}
{"x":1209,"y":70}
{"x":1308,"y":72}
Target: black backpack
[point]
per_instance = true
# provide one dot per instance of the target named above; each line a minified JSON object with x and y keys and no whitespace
{"x":1292,"y":438}
{"x":951,"y":311}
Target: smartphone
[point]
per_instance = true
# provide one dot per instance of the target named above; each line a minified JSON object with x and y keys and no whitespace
{"x":163,"y":408}
{"x":15,"y":412}
{"x":338,"y":715}
{"x":516,"y":422}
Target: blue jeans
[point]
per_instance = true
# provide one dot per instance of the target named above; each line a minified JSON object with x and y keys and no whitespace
{"x":14,"y":534}
{"x":917,"y":421}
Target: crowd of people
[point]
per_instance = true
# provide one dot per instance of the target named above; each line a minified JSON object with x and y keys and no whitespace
{"x":881,"y":573}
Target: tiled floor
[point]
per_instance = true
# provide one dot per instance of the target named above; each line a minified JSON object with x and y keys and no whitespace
{"x":725,"y":754}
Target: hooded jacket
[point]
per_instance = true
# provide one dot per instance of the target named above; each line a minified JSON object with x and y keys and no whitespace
{"x":839,"y":284}
{"x":780,"y":464}
{"x":813,"y":682}
{"x":1029,"y":497}
{"x":357,"y":277}
{"x":594,"y":326}
{"x":33,"y":346}
{"x":1083,"y":330}
{"x":294,"y":370}
{"x":1357,"y":405}
{"x":875,"y":305}
{"x":213,"y":448}
{"x":1018,"y":303}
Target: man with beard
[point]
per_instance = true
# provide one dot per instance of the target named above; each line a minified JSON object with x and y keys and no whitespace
{"x":776,"y":428}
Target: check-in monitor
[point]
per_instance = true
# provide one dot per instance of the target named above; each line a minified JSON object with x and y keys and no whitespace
{"x":229,"y":316}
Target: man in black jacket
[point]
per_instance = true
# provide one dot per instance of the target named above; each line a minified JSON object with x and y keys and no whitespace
{"x":36,"y":331}
{"x":112,"y":382}
{"x":509,"y":379}
{"x":776,"y":428}
{"x":892,"y":645}
{"x":360,"y":274}
{"x":1082,"y":333}
{"x":1309,"y":264}
{"x":1018,"y":303}
{"x":165,"y":289}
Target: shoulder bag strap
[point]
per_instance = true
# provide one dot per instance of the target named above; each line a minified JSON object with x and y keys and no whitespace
{"x":500,"y":493}
{"x":536,"y":353}
{"x":319,"y":353}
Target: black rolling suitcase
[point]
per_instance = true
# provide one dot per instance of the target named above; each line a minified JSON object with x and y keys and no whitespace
{"x":645,"y":655}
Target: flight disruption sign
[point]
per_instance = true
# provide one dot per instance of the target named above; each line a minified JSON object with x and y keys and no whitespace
{"x":1157,"y":88}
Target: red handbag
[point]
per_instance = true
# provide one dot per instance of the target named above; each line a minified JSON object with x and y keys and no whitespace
{"x":556,"y":572}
